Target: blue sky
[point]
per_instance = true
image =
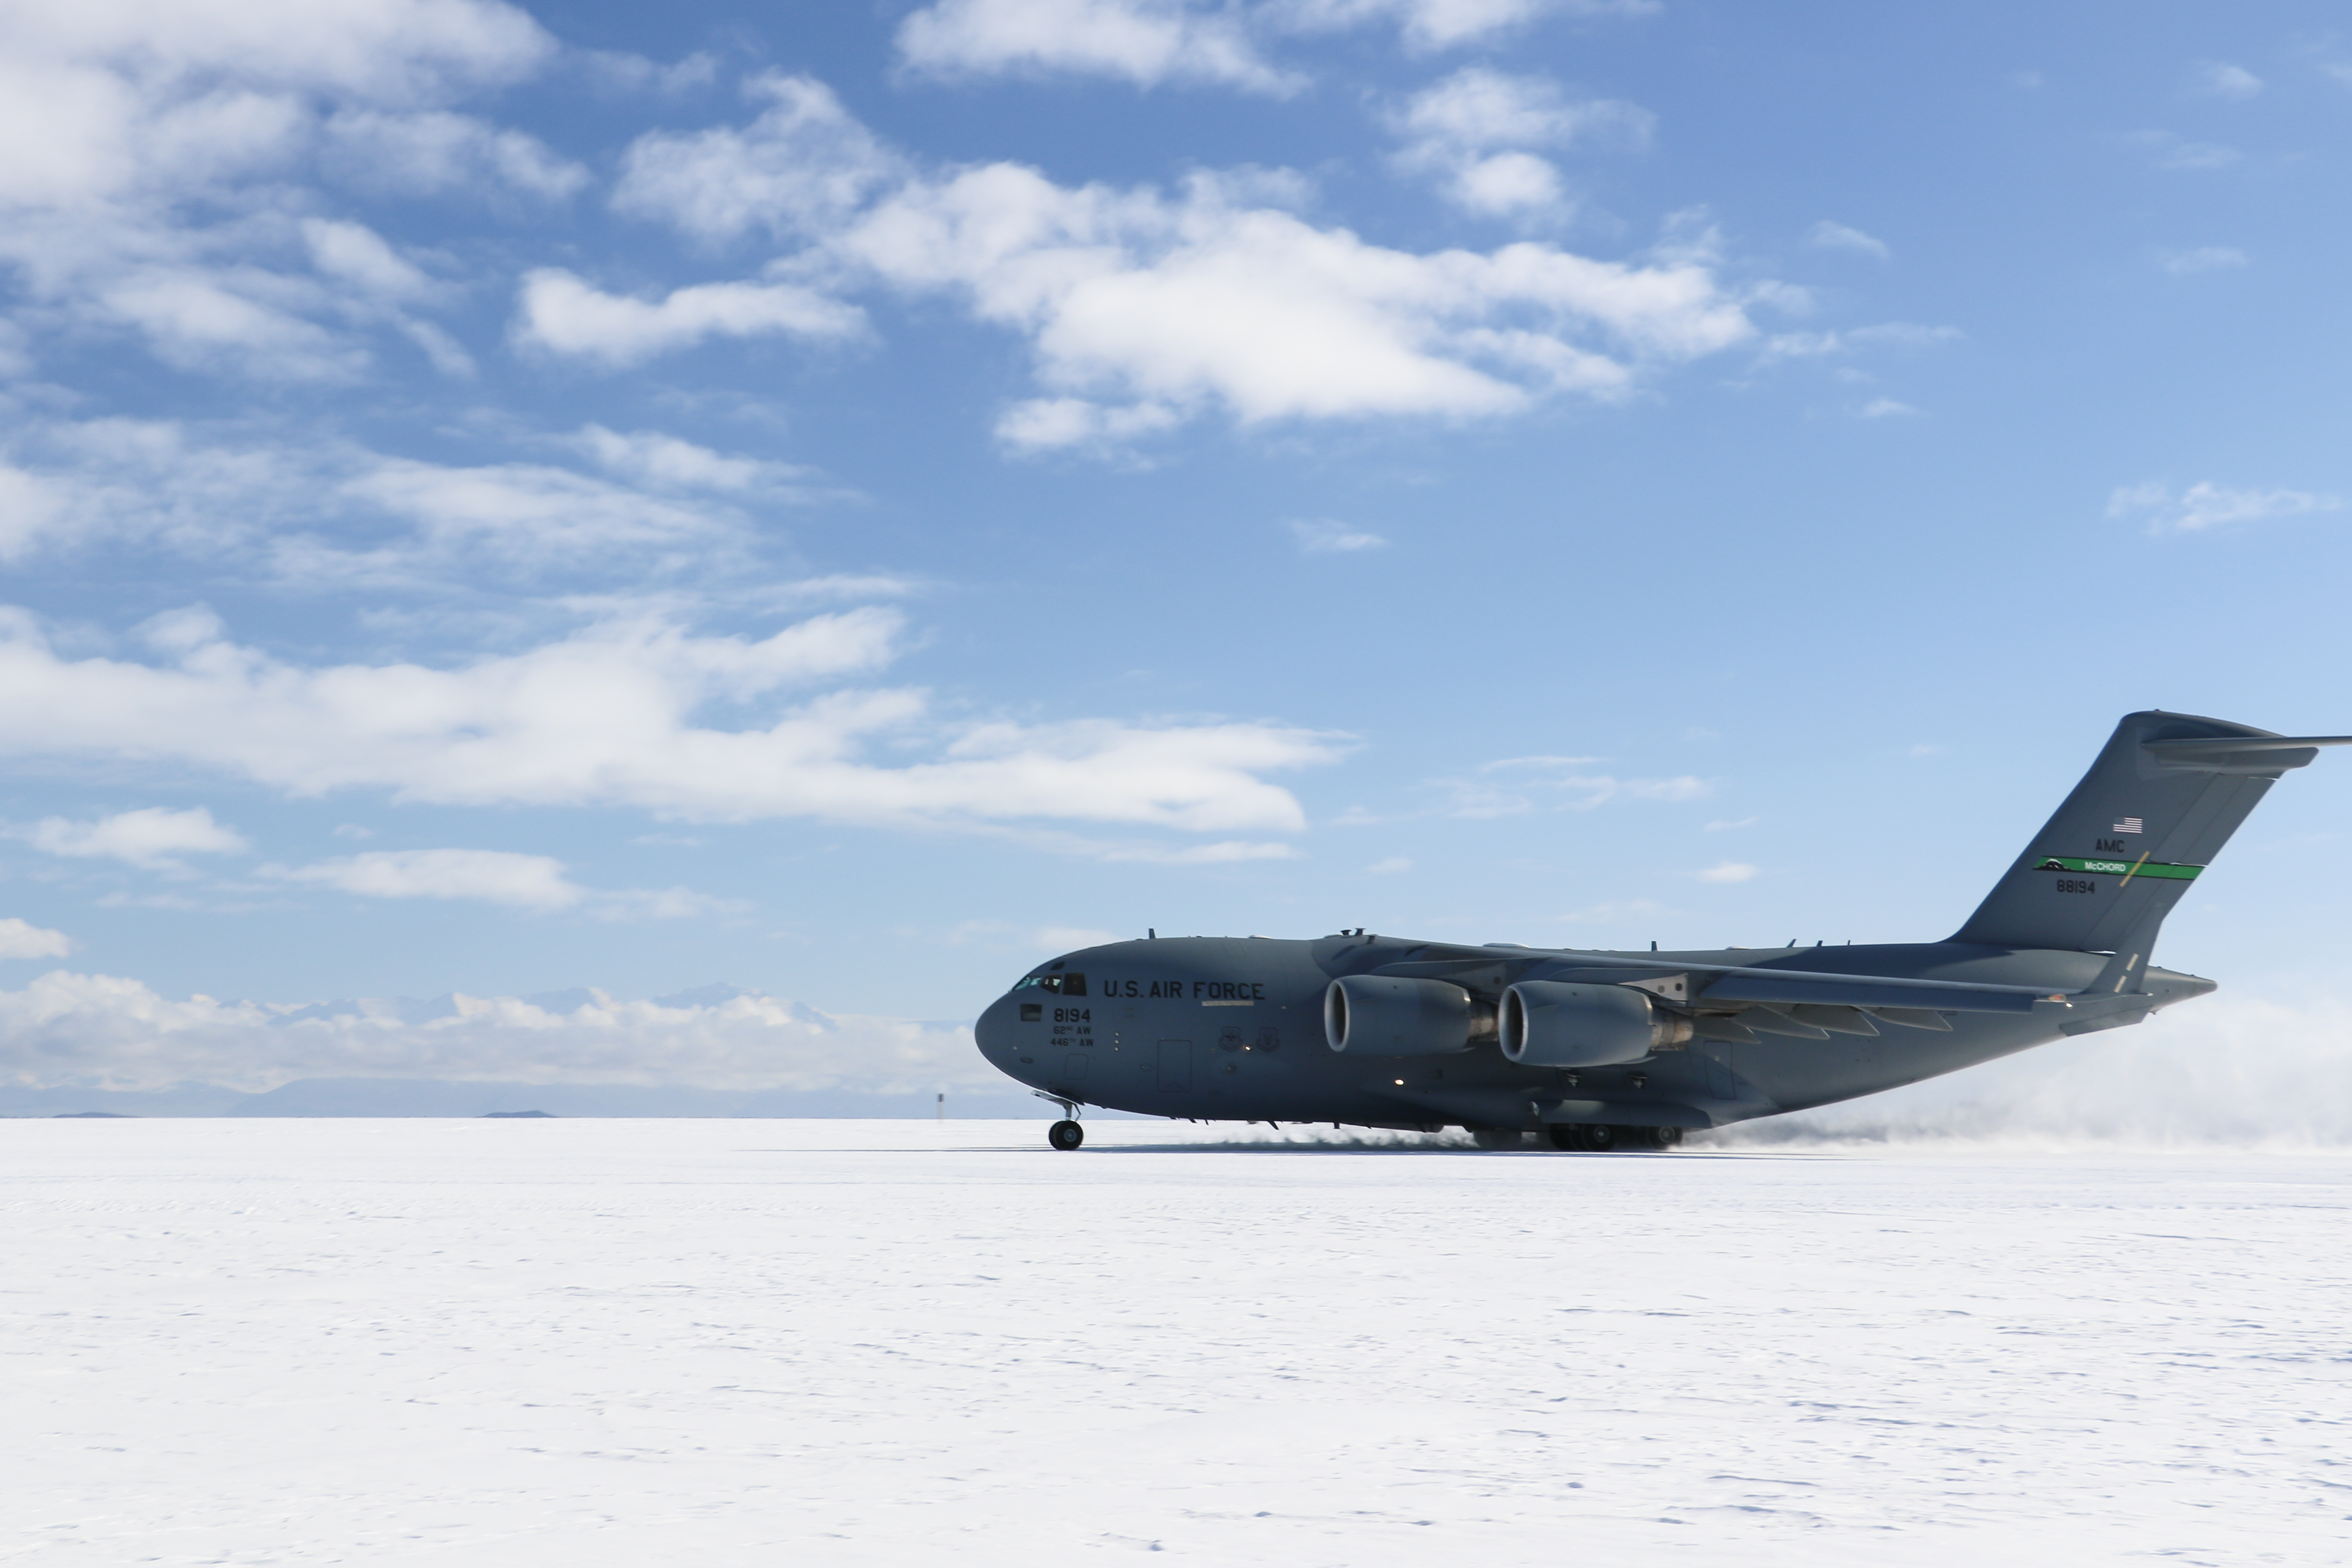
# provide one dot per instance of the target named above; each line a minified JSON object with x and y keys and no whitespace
{"x":848,"y":501}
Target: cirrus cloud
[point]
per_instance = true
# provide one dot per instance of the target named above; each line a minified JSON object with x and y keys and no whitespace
{"x":2205,"y":506}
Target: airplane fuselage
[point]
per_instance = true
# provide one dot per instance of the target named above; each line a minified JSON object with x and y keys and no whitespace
{"x":1218,"y":1028}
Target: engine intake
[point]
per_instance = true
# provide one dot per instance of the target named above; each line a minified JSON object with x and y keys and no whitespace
{"x":1380,"y":1015}
{"x":1556,"y":1023}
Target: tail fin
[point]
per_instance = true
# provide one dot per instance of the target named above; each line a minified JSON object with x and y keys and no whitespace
{"x":2152,"y":812}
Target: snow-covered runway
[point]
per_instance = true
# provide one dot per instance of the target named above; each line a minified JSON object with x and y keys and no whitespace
{"x":628,"y":1342}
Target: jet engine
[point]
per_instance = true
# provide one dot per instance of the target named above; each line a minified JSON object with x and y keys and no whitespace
{"x":1379,"y":1015}
{"x":1553,"y":1023}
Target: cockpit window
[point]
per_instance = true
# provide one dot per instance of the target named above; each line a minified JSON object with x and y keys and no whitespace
{"x":1060,"y":984}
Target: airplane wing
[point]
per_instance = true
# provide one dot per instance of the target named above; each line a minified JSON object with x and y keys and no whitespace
{"x":1749,"y":983}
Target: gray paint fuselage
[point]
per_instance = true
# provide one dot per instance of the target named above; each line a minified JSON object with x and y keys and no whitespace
{"x":1231,"y":1029}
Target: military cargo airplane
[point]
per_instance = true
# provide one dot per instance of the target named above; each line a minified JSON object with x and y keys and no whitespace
{"x":1596,"y":1051}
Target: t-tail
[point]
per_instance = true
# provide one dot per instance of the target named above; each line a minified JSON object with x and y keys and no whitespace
{"x":2146,"y":820}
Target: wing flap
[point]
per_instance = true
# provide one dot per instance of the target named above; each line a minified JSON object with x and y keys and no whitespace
{"x":1778,"y":988}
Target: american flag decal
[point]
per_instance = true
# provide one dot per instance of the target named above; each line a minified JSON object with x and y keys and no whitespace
{"x":2129,"y":825}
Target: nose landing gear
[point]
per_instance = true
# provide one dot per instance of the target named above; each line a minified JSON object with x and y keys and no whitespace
{"x":1064,"y":1135}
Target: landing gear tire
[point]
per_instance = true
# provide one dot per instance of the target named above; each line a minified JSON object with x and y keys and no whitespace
{"x":1653,"y":1137}
{"x":1499,"y":1137}
{"x":1065,"y":1135}
{"x":1563,"y":1135}
{"x":1596,"y":1137}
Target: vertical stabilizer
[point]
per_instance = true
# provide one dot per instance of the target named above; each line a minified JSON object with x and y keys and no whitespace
{"x":2154,"y":809}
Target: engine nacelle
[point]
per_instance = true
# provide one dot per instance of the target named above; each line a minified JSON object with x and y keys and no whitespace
{"x":1555,"y":1023}
{"x":1380,"y":1015}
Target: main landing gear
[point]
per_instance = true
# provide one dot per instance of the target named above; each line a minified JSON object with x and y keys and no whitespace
{"x":1598,"y":1138}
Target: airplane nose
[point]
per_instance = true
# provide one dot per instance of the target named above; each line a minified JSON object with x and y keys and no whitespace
{"x":993,"y":1031}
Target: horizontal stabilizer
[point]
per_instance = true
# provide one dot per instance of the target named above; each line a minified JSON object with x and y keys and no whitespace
{"x":2271,"y":754}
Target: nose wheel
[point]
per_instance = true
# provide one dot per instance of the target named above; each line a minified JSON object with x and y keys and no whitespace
{"x":1064,"y":1135}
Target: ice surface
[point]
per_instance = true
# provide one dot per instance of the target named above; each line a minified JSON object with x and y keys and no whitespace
{"x":773,"y":1343}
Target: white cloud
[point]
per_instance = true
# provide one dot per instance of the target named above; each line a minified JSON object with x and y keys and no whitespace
{"x":1390,"y":866}
{"x":153,"y":837}
{"x":1136,"y":301}
{"x":431,"y":152}
{"x":1475,"y":128}
{"x":356,"y":256}
{"x":1858,"y":339}
{"x":2222,"y":80}
{"x":2204,"y":258}
{"x":523,"y":508}
{"x":490,"y":876}
{"x":615,"y":71}
{"x":1144,"y":308}
{"x":1477,"y":108}
{"x":493,"y":876}
{"x":1322,"y":536}
{"x":1444,"y":23}
{"x":1617,"y":912}
{"x":2207,"y":505}
{"x":31,"y":509}
{"x":566,"y":315}
{"x":1504,"y":182}
{"x":801,"y":168}
{"x":1727,"y":871}
{"x":1228,"y":851}
{"x":145,"y":147}
{"x":607,"y":717}
{"x":1143,"y":41}
{"x":240,"y":321}
{"x":389,"y":50}
{"x":1517,"y":784}
{"x":1839,"y":236}
{"x":1043,"y":941}
{"x":1885,"y":408}
{"x":650,"y":458}
{"x":332,"y":510}
{"x":1724,"y":826}
{"x":1056,"y":424}
{"x":2179,"y":153}
{"x":105,"y":1031}
{"x":1220,"y":42}
{"x":22,"y":939}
